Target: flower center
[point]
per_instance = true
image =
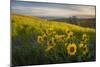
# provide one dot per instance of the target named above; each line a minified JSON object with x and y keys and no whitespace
{"x":50,"y":42}
{"x":84,"y":49}
{"x":72,"y":49}
{"x":62,"y":37}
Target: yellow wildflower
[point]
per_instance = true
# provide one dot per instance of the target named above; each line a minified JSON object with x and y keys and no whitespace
{"x":72,"y":48}
{"x":84,"y":36}
{"x":70,"y":34}
{"x":40,"y":39}
{"x":60,"y":38}
{"x":44,"y":36}
{"x":85,"y":50}
{"x":50,"y":45}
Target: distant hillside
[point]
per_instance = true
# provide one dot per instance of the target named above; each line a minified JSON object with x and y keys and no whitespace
{"x":84,"y":22}
{"x":89,"y":22}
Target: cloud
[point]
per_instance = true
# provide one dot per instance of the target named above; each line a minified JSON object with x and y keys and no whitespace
{"x":53,"y":10}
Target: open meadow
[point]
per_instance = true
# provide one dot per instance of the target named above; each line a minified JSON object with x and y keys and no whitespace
{"x":40,"y":41}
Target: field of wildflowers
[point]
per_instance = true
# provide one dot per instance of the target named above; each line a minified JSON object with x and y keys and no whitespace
{"x":39,"y":41}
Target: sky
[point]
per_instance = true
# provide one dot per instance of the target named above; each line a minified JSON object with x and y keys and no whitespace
{"x":51,"y":9}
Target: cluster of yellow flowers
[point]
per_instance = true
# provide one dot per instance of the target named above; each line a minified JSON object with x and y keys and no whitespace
{"x":70,"y":47}
{"x":59,"y":38}
{"x":84,"y":45}
{"x":69,"y":34}
{"x":52,"y":42}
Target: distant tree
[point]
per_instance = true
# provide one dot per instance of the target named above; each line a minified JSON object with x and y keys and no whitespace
{"x":74,"y":20}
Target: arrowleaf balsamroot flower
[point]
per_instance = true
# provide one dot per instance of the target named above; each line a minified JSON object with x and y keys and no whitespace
{"x":71,"y":49}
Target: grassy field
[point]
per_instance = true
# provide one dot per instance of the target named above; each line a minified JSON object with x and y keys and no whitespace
{"x":39,"y":41}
